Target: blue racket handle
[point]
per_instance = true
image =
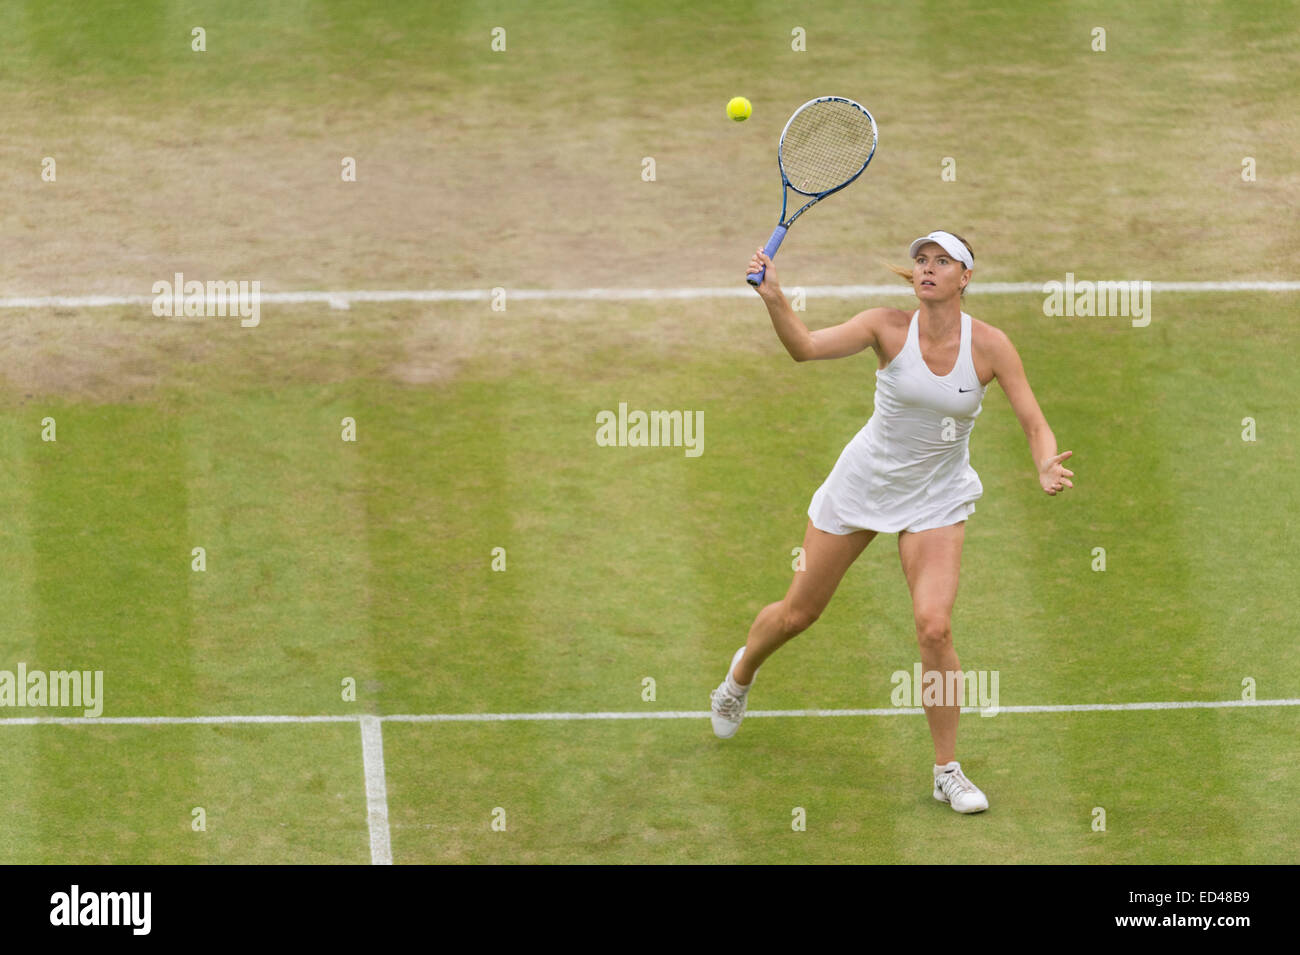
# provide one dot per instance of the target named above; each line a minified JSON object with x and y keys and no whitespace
{"x":756,"y":278}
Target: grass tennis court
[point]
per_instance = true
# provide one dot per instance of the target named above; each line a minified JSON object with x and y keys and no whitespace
{"x":371,"y":561}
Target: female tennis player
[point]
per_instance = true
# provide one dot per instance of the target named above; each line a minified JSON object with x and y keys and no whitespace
{"x":906,"y":472}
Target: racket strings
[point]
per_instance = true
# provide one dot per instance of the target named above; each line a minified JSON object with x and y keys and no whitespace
{"x":826,"y":144}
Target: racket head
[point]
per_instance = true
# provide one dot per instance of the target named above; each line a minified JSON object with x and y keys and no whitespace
{"x":825,"y":145}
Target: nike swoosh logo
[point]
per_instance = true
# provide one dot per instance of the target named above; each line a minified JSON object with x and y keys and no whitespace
{"x":965,"y":389}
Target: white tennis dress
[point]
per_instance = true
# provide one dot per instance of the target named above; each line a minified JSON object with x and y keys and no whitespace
{"x":909,"y":467}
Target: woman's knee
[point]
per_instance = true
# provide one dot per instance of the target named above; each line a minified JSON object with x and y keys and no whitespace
{"x":933,"y":630}
{"x":797,"y":617}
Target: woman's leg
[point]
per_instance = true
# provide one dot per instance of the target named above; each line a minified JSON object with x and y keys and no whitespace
{"x":932,"y":563}
{"x":826,"y":558}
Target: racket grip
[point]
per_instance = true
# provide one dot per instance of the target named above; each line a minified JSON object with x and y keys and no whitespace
{"x":756,"y":278}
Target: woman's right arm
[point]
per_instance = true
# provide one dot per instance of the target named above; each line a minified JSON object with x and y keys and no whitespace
{"x":838,"y":341}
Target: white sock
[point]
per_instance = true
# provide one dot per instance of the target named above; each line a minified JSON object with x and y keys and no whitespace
{"x":737,"y":689}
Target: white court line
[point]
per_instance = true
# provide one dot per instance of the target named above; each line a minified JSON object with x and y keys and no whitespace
{"x":883,"y":711}
{"x":342,"y":300}
{"x":622,"y":714}
{"x":372,"y":754}
{"x":167,"y":720}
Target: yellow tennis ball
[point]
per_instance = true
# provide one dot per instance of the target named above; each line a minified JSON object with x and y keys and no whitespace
{"x":739,"y":109}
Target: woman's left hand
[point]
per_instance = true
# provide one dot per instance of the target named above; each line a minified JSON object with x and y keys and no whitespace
{"x":1053,"y":475}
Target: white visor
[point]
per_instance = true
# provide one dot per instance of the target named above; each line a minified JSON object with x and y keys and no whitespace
{"x":951,"y":244}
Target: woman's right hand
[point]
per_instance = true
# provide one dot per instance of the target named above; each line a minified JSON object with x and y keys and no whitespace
{"x":758,"y":263}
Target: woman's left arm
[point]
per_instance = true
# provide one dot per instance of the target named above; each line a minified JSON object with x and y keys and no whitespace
{"x":1053,"y":476}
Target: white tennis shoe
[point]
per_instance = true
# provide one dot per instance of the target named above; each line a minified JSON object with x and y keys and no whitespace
{"x":728,"y":708}
{"x":952,"y":786}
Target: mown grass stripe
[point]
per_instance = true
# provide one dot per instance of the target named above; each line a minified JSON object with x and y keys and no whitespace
{"x":19,"y":763}
{"x":111,"y":597}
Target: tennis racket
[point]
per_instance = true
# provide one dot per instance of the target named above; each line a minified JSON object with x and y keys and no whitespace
{"x":825,"y":146}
